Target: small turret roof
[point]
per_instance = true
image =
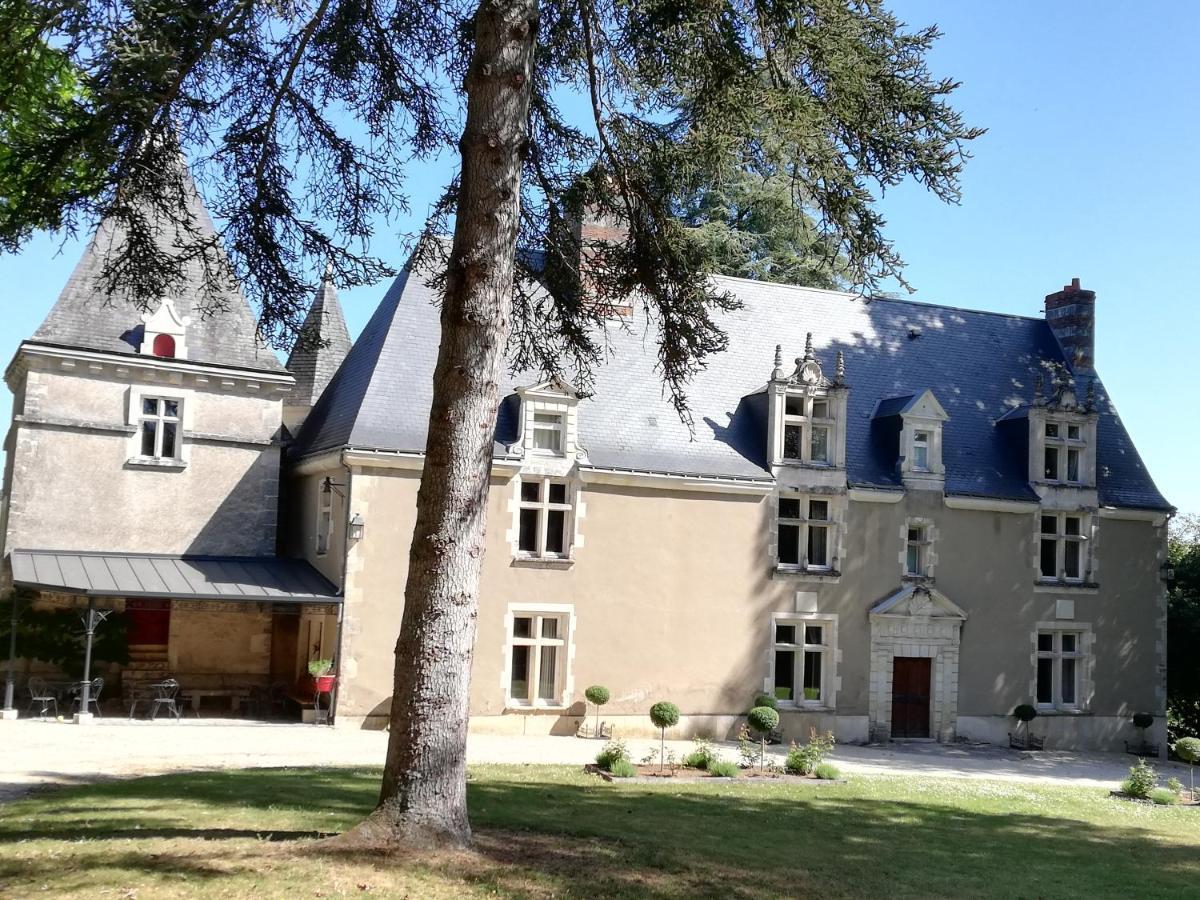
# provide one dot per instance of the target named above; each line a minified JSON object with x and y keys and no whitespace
{"x":321,"y":346}
{"x":223,"y":326}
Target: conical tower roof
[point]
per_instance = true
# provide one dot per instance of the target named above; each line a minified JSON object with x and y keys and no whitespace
{"x":222,"y":330}
{"x":323,"y":343}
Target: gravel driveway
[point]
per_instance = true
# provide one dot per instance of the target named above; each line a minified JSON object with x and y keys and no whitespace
{"x":35,"y":752}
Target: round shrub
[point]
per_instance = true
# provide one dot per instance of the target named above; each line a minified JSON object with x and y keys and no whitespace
{"x":1141,"y":781}
{"x":1142,"y":720}
{"x":664,"y":714}
{"x":622,"y":768}
{"x":765,"y":700}
{"x":827,"y":772}
{"x":1188,"y":749}
{"x":1025,"y":713}
{"x":597,"y":694}
{"x":763,"y":719}
{"x":722,"y":768}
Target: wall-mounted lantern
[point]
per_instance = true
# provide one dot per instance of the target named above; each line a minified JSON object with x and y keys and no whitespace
{"x":356,"y":527}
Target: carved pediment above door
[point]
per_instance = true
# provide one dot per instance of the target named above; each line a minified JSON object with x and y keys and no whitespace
{"x":918,"y":601}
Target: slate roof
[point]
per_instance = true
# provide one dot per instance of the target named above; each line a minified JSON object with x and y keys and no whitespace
{"x":315,"y":360}
{"x":85,"y":317}
{"x":980,"y":366}
{"x":225,"y":578}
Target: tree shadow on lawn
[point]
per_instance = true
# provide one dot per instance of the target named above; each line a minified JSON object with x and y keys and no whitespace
{"x":579,"y":839}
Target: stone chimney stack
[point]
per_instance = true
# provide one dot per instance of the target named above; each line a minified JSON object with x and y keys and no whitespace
{"x":1071,"y":315}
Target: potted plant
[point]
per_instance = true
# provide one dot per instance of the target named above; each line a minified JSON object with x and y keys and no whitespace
{"x":1142,"y":721}
{"x":319,"y":669}
{"x":1025,"y":713}
{"x":812,"y":693}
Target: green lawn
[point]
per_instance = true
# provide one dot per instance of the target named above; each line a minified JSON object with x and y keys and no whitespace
{"x":544,"y":831}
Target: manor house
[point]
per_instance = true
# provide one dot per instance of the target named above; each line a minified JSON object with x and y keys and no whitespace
{"x":901,"y":519}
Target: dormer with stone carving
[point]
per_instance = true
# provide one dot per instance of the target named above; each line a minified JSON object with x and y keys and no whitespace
{"x":807,"y":416}
{"x":1062,"y":434}
{"x":549,"y":421}
{"x":164,"y":332}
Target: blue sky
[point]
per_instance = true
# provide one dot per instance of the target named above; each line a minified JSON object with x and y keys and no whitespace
{"x":1087,"y":170}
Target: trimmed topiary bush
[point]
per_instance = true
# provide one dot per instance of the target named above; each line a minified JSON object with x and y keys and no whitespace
{"x":1141,"y":781}
{"x":622,"y":768}
{"x":1142,"y":720}
{"x":664,"y":715}
{"x":764,"y":720}
{"x":597,"y":695}
{"x":765,"y":700}
{"x":827,"y":772}
{"x":1188,"y":749}
{"x":722,"y":768}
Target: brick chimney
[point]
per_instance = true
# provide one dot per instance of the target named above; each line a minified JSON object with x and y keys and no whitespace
{"x":598,"y":227}
{"x":1071,"y":315}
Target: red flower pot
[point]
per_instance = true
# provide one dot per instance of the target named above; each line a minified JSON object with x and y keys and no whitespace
{"x":323,"y":684}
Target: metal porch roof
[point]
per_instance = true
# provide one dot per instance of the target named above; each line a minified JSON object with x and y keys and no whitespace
{"x":225,"y":578}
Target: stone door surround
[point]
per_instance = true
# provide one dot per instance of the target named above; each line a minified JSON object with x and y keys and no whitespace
{"x":915,"y":621}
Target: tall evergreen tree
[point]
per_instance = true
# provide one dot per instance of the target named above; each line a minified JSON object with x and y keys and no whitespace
{"x":300,"y":118}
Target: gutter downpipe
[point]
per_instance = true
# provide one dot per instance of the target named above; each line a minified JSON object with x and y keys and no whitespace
{"x":341,"y":610}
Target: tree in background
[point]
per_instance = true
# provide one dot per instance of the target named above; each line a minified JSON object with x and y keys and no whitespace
{"x":1183,"y":629}
{"x":300,"y":119}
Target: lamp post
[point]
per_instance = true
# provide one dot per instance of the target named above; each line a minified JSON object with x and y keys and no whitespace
{"x":10,"y":680}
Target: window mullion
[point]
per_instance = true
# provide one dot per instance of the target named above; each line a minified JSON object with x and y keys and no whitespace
{"x":535,"y":679}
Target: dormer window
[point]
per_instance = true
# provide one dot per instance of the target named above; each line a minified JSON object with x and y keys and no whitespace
{"x":1063,"y":450}
{"x":807,"y":426}
{"x":164,"y":332}
{"x":921,"y":441}
{"x":548,"y":428}
{"x":549,"y":418}
{"x":919,"y":447}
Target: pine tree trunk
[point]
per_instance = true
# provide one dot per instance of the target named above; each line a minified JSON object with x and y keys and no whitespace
{"x":423,"y":799}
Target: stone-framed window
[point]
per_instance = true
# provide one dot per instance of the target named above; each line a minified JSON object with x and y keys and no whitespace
{"x":803,"y":666}
{"x":538,"y":651}
{"x":923,"y":420}
{"x":159,"y":419}
{"x":1064,"y":451}
{"x":918,"y":557}
{"x":808,"y":429}
{"x":1062,"y":653}
{"x":545,"y":517}
{"x":1064,"y":553}
{"x":324,"y":529}
{"x":159,"y":428}
{"x":806,"y":532}
{"x":548,"y":431}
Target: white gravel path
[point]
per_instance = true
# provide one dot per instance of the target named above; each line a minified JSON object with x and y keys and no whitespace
{"x":44,"y":752}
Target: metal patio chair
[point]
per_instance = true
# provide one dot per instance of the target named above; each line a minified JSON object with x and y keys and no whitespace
{"x":40,"y":694}
{"x":166,"y":693}
{"x":94,"y":690}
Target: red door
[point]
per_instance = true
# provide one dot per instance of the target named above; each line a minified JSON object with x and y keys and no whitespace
{"x":149,"y":621}
{"x":910,"y":696}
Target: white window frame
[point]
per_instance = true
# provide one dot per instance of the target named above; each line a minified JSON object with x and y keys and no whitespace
{"x":1064,"y":445}
{"x":134,"y":418}
{"x":804,"y":523}
{"x":565,"y":614}
{"x":922,"y":440}
{"x":558,"y":428}
{"x":828,"y":650}
{"x":161,"y":420}
{"x":544,"y":507}
{"x":323,"y":537}
{"x":1056,"y":654}
{"x":918,"y":546}
{"x":808,"y":423}
{"x":1061,"y":540}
